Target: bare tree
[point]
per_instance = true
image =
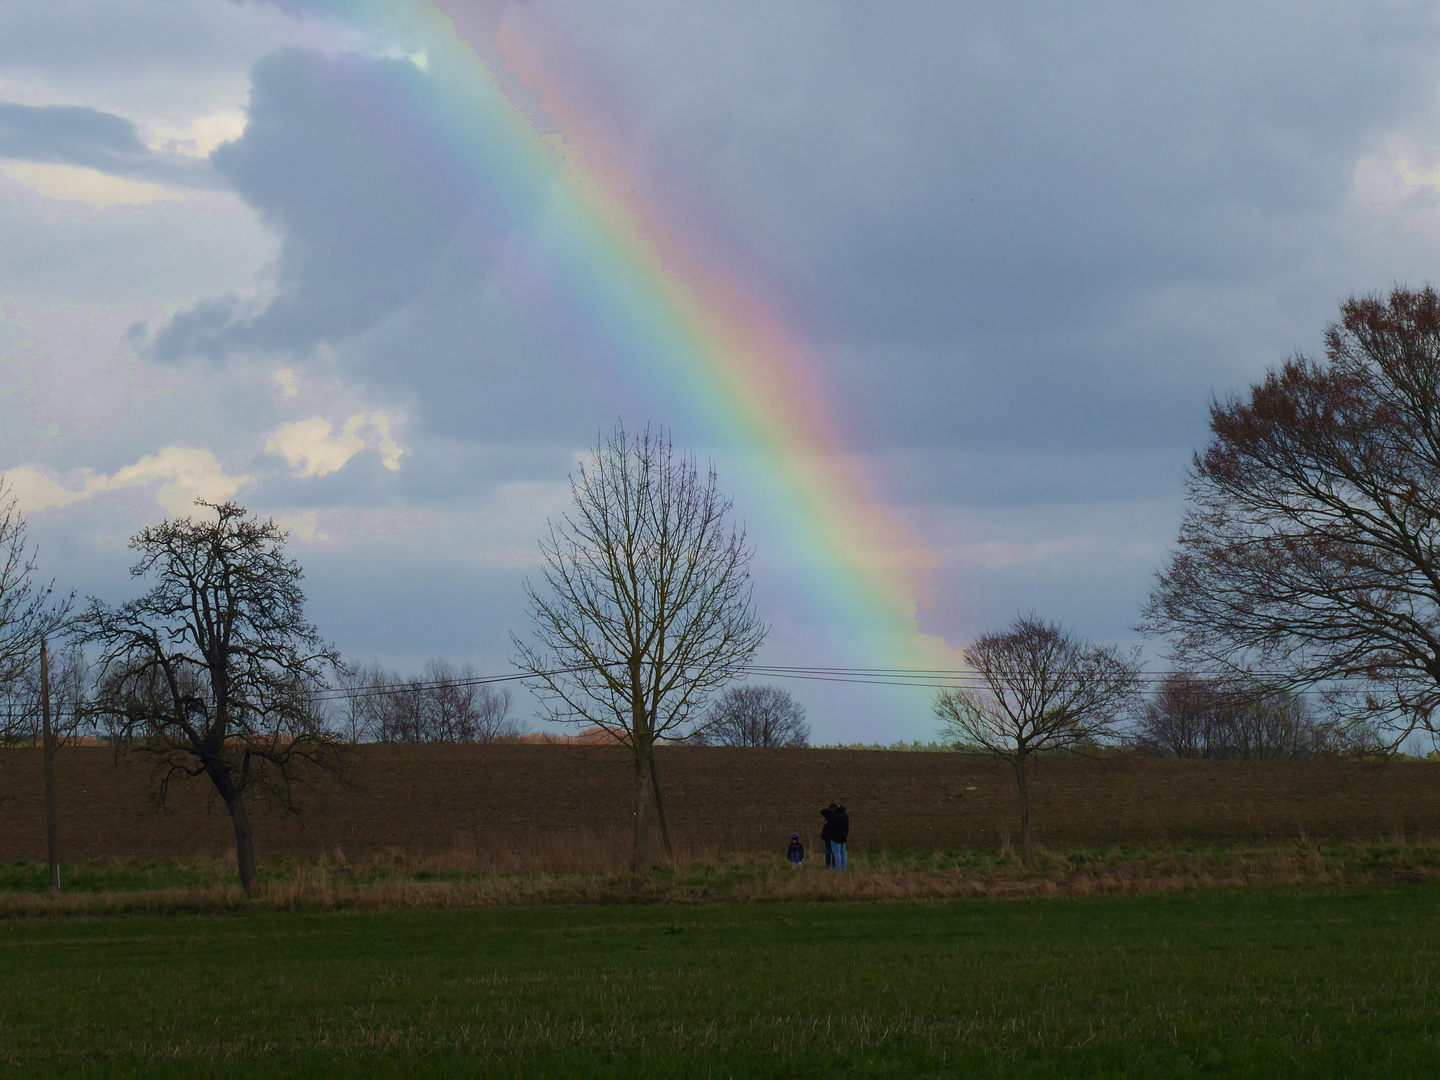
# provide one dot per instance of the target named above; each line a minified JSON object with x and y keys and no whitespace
{"x":749,"y":715}
{"x":644,"y":606}
{"x":29,"y":610}
{"x":1183,"y":718}
{"x":1310,"y":552}
{"x":457,"y":708}
{"x":402,"y":716}
{"x":442,"y":704}
{"x":214,"y":670}
{"x":358,"y":712}
{"x":1193,"y":716}
{"x":1043,"y":691}
{"x":1262,"y":724}
{"x":491,"y":714}
{"x":71,"y":712}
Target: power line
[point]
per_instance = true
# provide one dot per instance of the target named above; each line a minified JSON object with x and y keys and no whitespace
{"x":379,"y":689}
{"x":922,"y":678}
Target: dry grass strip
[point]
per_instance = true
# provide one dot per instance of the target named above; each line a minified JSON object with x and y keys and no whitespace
{"x":590,"y":871}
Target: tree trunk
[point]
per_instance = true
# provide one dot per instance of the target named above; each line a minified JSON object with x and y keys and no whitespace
{"x":1022,"y":785}
{"x":641,"y":864}
{"x":244,"y":844}
{"x":234,"y":801}
{"x":660,"y":807}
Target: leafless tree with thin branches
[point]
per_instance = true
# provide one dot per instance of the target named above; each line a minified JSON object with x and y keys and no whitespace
{"x":30,"y":610}
{"x":71,"y":712}
{"x":644,"y":604}
{"x":750,"y":715}
{"x":1195,"y":716}
{"x":1182,"y":718}
{"x":444,"y":703}
{"x":1043,"y":690}
{"x":358,"y":710}
{"x":1310,"y":551}
{"x":215,"y":669}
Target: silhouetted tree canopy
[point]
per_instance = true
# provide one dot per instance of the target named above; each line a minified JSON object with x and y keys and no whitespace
{"x":748,"y":715}
{"x":1192,"y":716}
{"x":1042,"y":689}
{"x":443,"y":703}
{"x":1308,"y":553}
{"x":214,"y":669}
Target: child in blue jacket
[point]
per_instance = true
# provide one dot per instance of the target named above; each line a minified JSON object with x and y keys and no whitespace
{"x":796,"y":851}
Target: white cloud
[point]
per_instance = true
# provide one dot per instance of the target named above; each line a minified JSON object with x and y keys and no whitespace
{"x":285,"y":379}
{"x":1413,"y":176}
{"x":36,"y":490}
{"x":305,"y":525}
{"x":199,"y":137}
{"x":187,"y":473}
{"x":184,"y":474}
{"x":315,"y":448}
{"x":71,"y":183}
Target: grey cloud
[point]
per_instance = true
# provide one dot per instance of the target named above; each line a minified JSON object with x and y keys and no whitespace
{"x":362,"y":482}
{"x":364,"y":231}
{"x":977,"y":213}
{"x":77,"y":135}
{"x":980,"y":190}
{"x":389,"y":253}
{"x":132,"y":56}
{"x":70,"y":134}
{"x":1042,"y":231}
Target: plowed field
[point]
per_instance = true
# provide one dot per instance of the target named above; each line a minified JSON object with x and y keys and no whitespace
{"x":433,"y":798}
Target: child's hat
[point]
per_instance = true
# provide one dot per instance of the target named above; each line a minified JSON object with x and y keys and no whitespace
{"x":794,"y":836}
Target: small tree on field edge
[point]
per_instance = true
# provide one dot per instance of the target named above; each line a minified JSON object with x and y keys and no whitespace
{"x":442,"y":704}
{"x":1041,"y":690}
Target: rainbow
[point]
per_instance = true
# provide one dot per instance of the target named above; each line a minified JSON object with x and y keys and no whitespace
{"x":642,"y":300}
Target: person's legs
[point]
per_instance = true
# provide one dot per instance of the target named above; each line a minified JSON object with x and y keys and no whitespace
{"x":829,"y":854}
{"x":841,"y":862}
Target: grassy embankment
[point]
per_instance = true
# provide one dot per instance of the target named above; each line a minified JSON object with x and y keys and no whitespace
{"x":592,"y":869}
{"x":1257,"y":982}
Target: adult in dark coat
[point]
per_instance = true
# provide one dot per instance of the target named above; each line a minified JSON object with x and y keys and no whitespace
{"x":839,"y":835}
{"x":827,"y":834}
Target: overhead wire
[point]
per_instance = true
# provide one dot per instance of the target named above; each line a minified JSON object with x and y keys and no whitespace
{"x":923,"y":678}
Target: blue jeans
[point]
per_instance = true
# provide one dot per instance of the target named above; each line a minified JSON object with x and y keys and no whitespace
{"x":837,"y":852}
{"x":829,"y":854}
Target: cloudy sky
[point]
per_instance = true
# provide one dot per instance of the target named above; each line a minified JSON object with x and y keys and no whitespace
{"x":1026,"y":243}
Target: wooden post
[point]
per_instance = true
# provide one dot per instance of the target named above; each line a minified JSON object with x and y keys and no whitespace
{"x":52,"y":845}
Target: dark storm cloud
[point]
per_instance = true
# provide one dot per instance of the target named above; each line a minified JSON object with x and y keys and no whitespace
{"x":363,"y":233}
{"x":383,"y":253}
{"x":76,"y":135}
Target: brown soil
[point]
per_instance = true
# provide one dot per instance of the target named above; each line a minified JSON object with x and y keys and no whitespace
{"x":435,"y":798}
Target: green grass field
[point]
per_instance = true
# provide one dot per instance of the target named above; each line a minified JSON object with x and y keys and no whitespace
{"x":1263,"y":982}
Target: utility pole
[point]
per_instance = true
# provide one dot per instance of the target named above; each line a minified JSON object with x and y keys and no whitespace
{"x":52,"y":844}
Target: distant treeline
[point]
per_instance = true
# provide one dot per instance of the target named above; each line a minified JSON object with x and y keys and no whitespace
{"x":440,"y":703}
{"x":1195,"y":717}
{"x":1189,"y":716}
